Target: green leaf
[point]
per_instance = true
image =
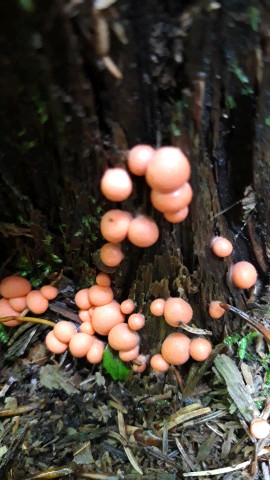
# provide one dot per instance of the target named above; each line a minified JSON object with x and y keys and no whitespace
{"x":114,"y":366}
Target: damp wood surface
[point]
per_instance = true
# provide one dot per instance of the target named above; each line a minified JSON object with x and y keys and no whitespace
{"x":195,"y":75}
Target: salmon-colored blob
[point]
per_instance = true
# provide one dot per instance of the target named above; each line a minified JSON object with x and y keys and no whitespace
{"x":259,"y":428}
{"x":106,"y":317}
{"x":215,"y":310}
{"x":87,"y":327}
{"x":140,"y":365}
{"x":103,"y":279}
{"x":18,"y":303}
{"x":177,"y":311}
{"x":136,"y":321}
{"x":82,"y":299}
{"x":14,"y":286}
{"x":168,"y":169}
{"x":95,"y":352}
{"x":121,"y":337}
{"x":84,"y":315}
{"x":116,"y":184}
{"x":221,"y":247}
{"x":114,"y":225}
{"x":99,"y":296}
{"x":127,"y":306}
{"x":177,"y":217}
{"x":64,"y":330}
{"x":36,"y":302}
{"x":172,"y":201}
{"x":143,"y":232}
{"x":139,"y":158}
{"x":53,"y":344}
{"x":200,"y":349}
{"x":129,"y":355}
{"x":175,"y":349}
{"x":158,"y":363}
{"x":80,"y":344}
{"x":111,"y":254}
{"x":157,"y":307}
{"x":49,"y":291}
{"x":7,"y":311}
{"x":243,"y":274}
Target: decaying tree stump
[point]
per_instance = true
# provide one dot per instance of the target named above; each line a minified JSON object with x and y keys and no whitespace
{"x":193,"y":75}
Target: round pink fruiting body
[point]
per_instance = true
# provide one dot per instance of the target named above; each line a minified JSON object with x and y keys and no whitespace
{"x":221,"y":247}
{"x":200,"y":349}
{"x":157,"y":307}
{"x":127,"y":306}
{"x":140,"y":363}
{"x":99,"y":296}
{"x":103,"y":279}
{"x":111,"y":254}
{"x":175,"y":348}
{"x":106,"y":317}
{"x":7,"y":311}
{"x":129,"y":355}
{"x":173,"y":201}
{"x":243,"y":274}
{"x":259,"y":428}
{"x":215,"y":310}
{"x":54,"y":345}
{"x":36,"y":302}
{"x":177,"y":311}
{"x":143,"y":232}
{"x":136,"y":321}
{"x":121,"y":337}
{"x":114,"y":225}
{"x":82,"y":299}
{"x":116,"y":184}
{"x":49,"y":292}
{"x":87,"y":327}
{"x":14,"y":286}
{"x":18,"y":303}
{"x":177,"y":217}
{"x":80,"y":344}
{"x":158,"y":363}
{"x":95,"y":352}
{"x":64,"y":330}
{"x":168,"y":169}
{"x":139,"y":158}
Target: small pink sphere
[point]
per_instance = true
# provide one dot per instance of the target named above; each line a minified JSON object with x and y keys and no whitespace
{"x":121,"y":337}
{"x":140,"y":365}
{"x":243,"y":274}
{"x":215,"y":310}
{"x":103,"y":279}
{"x":18,"y":303}
{"x":221,"y":247}
{"x":127,"y":306}
{"x":95,"y":352}
{"x":139,"y":158}
{"x":54,"y":345}
{"x":200,"y":349}
{"x":177,"y":217}
{"x":175,"y":348}
{"x":111,"y":254}
{"x":64,"y":330}
{"x":84,"y":315}
{"x":136,"y":321}
{"x":7,"y":311}
{"x":157,"y":307}
{"x":49,"y":292}
{"x":36,"y":302}
{"x":106,"y":317}
{"x":168,"y":169}
{"x":114,"y":225}
{"x":82,"y":299}
{"x":129,"y":355}
{"x":14,"y":286}
{"x":99,"y":296}
{"x":116,"y":184}
{"x":87,"y":327}
{"x":143,"y":232}
{"x":80,"y":344}
{"x":173,"y":201}
{"x":177,"y":311}
{"x":259,"y":428}
{"x":158,"y":363}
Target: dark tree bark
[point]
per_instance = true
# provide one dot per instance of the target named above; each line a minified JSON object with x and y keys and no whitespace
{"x":195,"y":75}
